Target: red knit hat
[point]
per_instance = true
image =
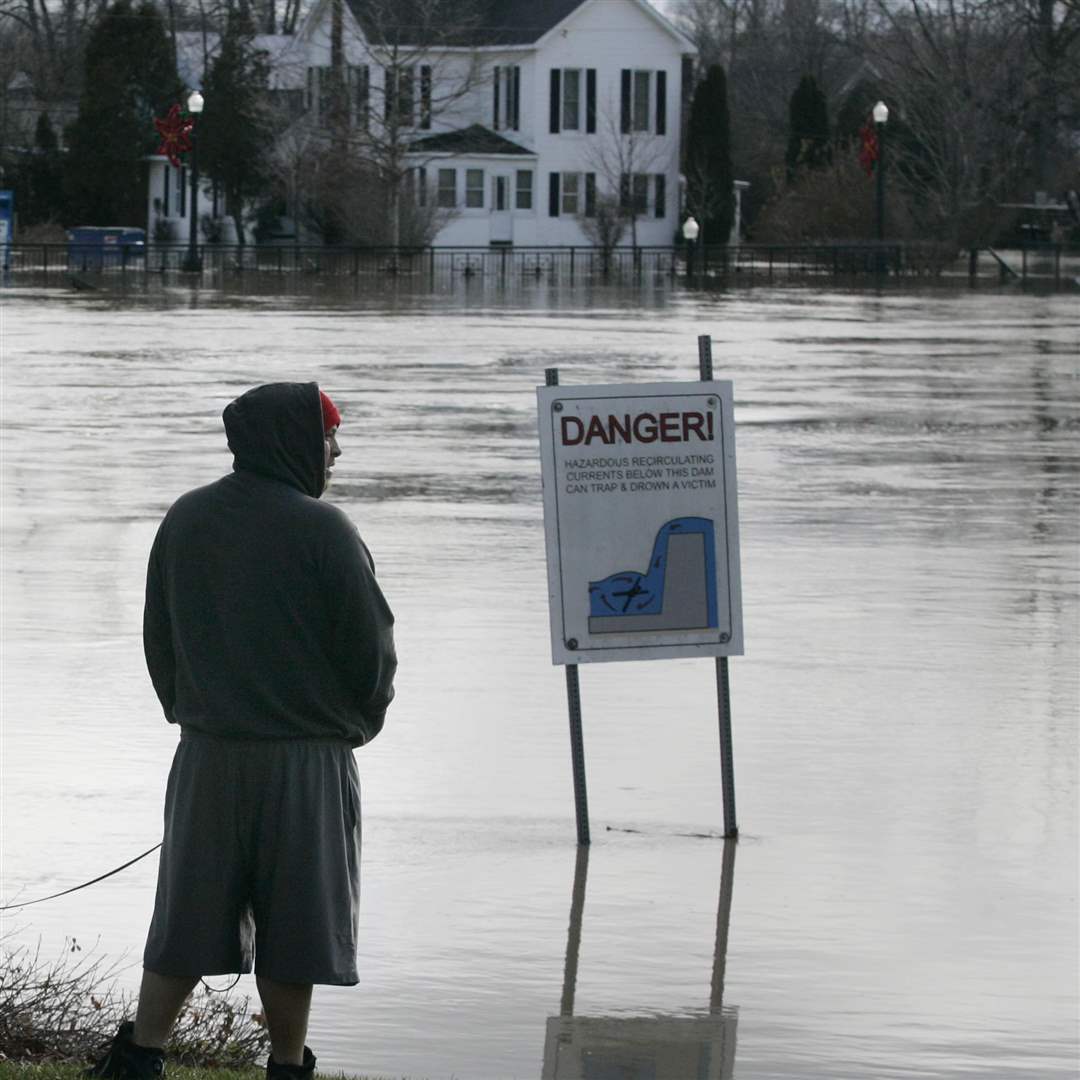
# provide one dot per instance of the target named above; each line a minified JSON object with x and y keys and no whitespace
{"x":331,"y":418}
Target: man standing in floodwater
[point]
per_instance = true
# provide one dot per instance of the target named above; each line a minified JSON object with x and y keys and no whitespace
{"x":269,"y":642}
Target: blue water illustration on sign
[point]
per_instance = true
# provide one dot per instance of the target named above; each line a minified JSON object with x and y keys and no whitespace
{"x":676,"y":592}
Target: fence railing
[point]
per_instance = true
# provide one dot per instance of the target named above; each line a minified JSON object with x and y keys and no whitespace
{"x":710,"y":264}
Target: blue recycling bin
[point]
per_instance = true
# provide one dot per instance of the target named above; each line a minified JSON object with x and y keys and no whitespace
{"x":7,"y":227}
{"x":97,"y":247}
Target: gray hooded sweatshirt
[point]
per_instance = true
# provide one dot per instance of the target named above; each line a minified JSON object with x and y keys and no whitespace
{"x":263,"y":619}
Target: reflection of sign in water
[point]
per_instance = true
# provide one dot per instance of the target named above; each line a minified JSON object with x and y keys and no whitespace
{"x":641,"y":521}
{"x":676,"y":592}
{"x":696,"y":1045}
{"x":640,"y":1048}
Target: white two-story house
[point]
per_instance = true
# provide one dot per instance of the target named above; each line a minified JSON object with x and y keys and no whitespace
{"x":520,"y":129}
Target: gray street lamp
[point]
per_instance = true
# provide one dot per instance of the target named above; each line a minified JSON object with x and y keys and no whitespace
{"x":881,"y":118}
{"x":690,"y":231}
{"x":192,"y":261}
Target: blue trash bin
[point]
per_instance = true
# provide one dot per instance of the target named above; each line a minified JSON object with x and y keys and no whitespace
{"x":98,"y":247}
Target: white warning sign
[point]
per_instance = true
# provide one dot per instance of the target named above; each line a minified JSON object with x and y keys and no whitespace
{"x":641,"y":520}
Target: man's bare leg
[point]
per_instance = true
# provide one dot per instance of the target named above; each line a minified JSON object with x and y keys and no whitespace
{"x":161,"y":997}
{"x":286,"y":1007}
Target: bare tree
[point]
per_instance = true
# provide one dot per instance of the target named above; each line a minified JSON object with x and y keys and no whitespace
{"x":605,"y":226}
{"x":416,"y":68}
{"x":953,"y":74}
{"x":625,"y":161}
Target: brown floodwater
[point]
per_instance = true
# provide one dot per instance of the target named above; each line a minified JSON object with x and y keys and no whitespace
{"x":904,"y":897}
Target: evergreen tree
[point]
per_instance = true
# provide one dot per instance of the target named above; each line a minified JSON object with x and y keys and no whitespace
{"x":45,"y":184}
{"x":710,"y":188}
{"x":235,"y":132}
{"x":130,"y":78}
{"x":808,"y":128}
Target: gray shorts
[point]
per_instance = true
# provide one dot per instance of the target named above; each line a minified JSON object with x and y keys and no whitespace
{"x":260,"y":863}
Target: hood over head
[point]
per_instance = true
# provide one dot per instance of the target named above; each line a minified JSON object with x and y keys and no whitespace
{"x":276,"y":430}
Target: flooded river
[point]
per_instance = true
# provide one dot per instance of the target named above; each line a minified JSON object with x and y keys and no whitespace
{"x":903,"y":899}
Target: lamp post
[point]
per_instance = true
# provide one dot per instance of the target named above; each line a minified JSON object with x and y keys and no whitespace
{"x":881,"y":118}
{"x":192,"y":261}
{"x":690,"y":230}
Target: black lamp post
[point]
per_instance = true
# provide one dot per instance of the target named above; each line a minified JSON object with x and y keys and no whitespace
{"x":690,"y":230}
{"x":192,"y":261}
{"x":881,"y":118}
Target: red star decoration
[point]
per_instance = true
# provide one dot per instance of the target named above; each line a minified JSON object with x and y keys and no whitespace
{"x":868,"y":153}
{"x":175,"y":132}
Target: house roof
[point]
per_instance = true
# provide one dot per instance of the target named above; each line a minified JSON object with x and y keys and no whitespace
{"x":476,"y":139}
{"x":475,"y":22}
{"x":196,"y":52}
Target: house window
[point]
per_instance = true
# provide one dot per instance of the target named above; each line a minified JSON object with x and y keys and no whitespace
{"x":637,"y":112}
{"x":641,"y":101}
{"x":446,"y":196}
{"x":425,"y":97}
{"x":634,"y":192}
{"x":474,"y":188}
{"x":524,"y":192}
{"x":399,"y":88}
{"x":571,"y":185}
{"x":288,"y":103}
{"x":506,"y":98}
{"x":568,"y":193}
{"x":320,"y":86}
{"x":417,"y":183}
{"x":567,"y":88}
{"x":571,"y":99}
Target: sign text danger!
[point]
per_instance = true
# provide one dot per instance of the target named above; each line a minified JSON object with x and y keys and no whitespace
{"x":645,"y":427}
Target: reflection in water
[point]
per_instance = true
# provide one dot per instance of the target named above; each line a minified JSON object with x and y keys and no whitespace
{"x":698,"y":1047}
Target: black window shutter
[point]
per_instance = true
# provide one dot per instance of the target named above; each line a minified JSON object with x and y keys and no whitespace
{"x":687,"y":80}
{"x":165,"y":198}
{"x":553,"y":194}
{"x":425,"y":96}
{"x":590,"y":101}
{"x":495,"y":105}
{"x":661,"y":194}
{"x":555,"y":103}
{"x":661,"y":103}
{"x":516,"y":120}
{"x":590,"y":194}
{"x":624,"y":112}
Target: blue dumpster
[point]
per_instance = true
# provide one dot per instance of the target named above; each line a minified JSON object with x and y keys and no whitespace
{"x":7,"y":227}
{"x":97,"y":247}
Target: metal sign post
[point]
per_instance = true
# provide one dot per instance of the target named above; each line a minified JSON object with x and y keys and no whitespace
{"x":723,"y":685}
{"x":573,"y":699}
{"x":641,"y":528}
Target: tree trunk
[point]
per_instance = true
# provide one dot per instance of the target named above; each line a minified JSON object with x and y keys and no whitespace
{"x":395,"y":212}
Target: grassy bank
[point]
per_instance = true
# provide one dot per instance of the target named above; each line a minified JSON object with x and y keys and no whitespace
{"x":56,"y":1016}
{"x":13,"y":1070}
{"x":64,"y":1012}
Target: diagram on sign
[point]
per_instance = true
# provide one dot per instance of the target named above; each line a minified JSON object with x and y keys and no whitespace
{"x":676,"y":592}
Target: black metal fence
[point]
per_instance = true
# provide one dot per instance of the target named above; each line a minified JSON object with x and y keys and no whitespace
{"x":747,"y":264}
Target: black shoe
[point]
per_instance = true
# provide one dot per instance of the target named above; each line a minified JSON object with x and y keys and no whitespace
{"x":126,"y":1061}
{"x":274,"y":1071}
